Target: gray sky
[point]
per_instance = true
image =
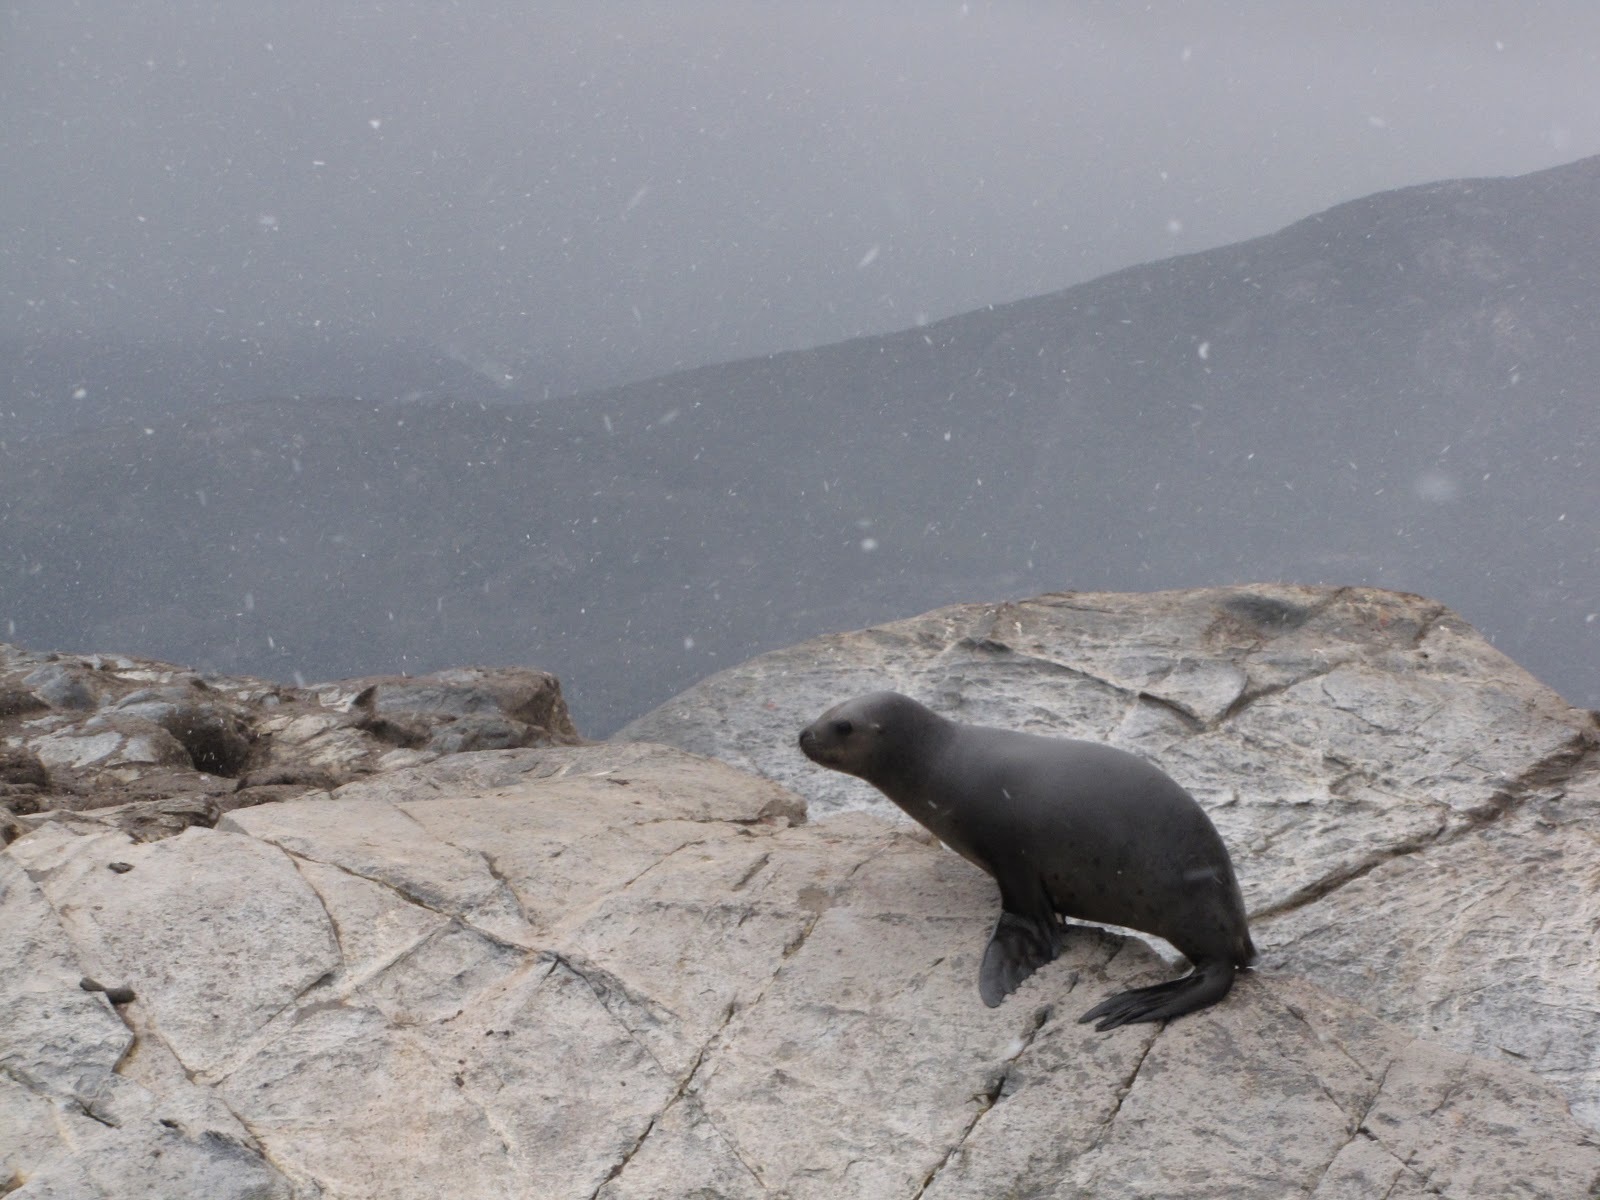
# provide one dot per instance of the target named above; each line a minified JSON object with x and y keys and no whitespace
{"x":626,"y":187}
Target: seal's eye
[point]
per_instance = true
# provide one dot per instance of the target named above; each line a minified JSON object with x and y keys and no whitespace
{"x":843,"y":728}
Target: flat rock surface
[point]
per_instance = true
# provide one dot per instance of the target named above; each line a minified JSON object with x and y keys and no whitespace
{"x":1415,"y":820}
{"x":628,"y":971}
{"x":625,"y":971}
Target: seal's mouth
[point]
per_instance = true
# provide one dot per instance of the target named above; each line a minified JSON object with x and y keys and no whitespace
{"x":814,"y":749}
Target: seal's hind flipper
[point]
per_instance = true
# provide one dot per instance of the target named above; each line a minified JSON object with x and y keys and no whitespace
{"x":1018,"y":947}
{"x":1209,"y":982}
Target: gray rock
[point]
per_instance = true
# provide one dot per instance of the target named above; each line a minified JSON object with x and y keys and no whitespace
{"x":1372,"y":762}
{"x":215,"y":737}
{"x":56,"y":1040}
{"x":621,"y":971}
{"x":624,"y":971}
{"x":141,"y":746}
{"x":10,"y":828}
{"x":215,"y":932}
{"x":481,"y":733}
{"x":158,"y":1160}
{"x":532,"y":697}
{"x":61,"y":685}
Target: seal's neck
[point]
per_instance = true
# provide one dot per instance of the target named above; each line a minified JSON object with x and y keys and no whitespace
{"x":908,"y":765}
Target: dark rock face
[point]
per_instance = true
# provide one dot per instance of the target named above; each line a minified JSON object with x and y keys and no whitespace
{"x":17,"y":701}
{"x":23,"y":780}
{"x":154,"y":749}
{"x":1396,"y":393}
{"x":214,"y":736}
{"x":21,"y":770}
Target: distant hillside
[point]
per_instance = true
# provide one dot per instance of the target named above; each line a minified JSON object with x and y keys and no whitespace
{"x":1401,"y":391}
{"x":75,"y":383}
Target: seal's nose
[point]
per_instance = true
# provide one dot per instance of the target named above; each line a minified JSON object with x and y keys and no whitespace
{"x":807,"y":738}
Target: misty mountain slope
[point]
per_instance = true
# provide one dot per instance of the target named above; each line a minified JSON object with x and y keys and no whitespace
{"x":1400,"y":391}
{"x":75,"y":382}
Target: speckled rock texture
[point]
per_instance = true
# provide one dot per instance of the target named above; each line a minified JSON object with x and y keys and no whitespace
{"x":1415,"y":819}
{"x":625,"y":970}
{"x":153,"y":748}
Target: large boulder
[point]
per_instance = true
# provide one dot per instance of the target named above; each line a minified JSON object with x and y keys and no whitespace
{"x":1414,"y":818}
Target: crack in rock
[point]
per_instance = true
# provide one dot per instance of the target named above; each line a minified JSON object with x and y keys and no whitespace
{"x":333,"y":924}
{"x":493,"y":867}
{"x":1122,"y":1094}
{"x":769,"y":813}
{"x":258,"y":1146}
{"x":1187,"y":719}
{"x":1358,"y":1127}
{"x":790,"y":949}
{"x":1249,"y":697}
{"x":1238,"y":660}
{"x":467,"y":1093}
{"x":990,"y":644}
{"x":77,"y":1104}
{"x":677,"y":1095}
{"x":670,"y":854}
{"x":627,"y":1155}
{"x":574,"y":918}
{"x":464,"y":917}
{"x":1554,"y":769}
{"x":613,"y":993}
{"x":1428,"y":624}
{"x":403,"y":952}
{"x":1422,"y":1181}
{"x":989,"y":1098}
{"x":1326,"y":885}
{"x":1326,"y":1043}
{"x":754,"y":870}
{"x":1452,"y":1087}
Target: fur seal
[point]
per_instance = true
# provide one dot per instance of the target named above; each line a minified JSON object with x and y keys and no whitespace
{"x":1067,"y":829}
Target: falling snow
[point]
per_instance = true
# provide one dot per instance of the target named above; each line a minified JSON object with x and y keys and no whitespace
{"x":1436,"y":487}
{"x":622,"y":233}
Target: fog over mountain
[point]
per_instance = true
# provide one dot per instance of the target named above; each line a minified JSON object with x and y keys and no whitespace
{"x":582,"y":192}
{"x":1398,"y":391}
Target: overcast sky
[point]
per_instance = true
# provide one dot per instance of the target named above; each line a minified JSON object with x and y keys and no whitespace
{"x":626,"y":187}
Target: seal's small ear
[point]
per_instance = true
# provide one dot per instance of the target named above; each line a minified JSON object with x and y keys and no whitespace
{"x":877,"y":727}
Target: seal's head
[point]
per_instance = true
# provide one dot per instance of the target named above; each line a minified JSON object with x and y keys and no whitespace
{"x":867,"y":736}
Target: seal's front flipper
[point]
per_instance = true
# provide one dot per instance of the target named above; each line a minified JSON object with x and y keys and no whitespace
{"x":1018,"y":947}
{"x":1209,"y":982}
